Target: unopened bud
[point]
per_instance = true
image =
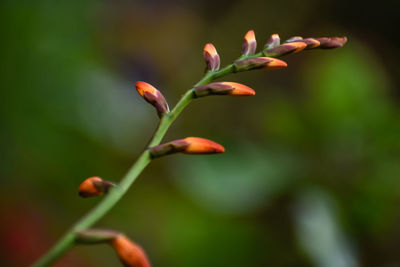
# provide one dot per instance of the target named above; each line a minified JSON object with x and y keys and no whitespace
{"x":310,"y":42}
{"x":273,"y":41}
{"x":130,"y":253}
{"x":331,"y":42}
{"x":267,"y":63}
{"x":95,"y":236}
{"x":249,"y":44}
{"x":153,"y":96}
{"x":211,"y":57}
{"x":223,"y":88}
{"x":94,"y":186}
{"x":294,"y":39}
{"x":189,"y":145}
{"x":284,"y":49}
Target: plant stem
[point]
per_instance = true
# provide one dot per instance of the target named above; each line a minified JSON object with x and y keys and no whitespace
{"x":116,"y":193}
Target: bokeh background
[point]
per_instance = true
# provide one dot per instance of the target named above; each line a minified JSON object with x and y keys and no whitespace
{"x":311,"y":176}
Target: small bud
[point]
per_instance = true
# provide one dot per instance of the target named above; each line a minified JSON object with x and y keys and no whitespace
{"x":311,"y":43}
{"x":331,"y":42}
{"x":284,"y":49}
{"x":94,"y":186}
{"x":223,"y":88}
{"x":249,"y":44}
{"x":153,"y":96}
{"x":95,"y":236}
{"x":130,"y":253}
{"x":267,"y":63}
{"x":294,"y":39}
{"x":273,"y":41}
{"x":211,"y":57}
{"x":189,"y":145}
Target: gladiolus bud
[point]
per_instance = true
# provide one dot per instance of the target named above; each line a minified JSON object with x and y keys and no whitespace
{"x":130,"y":253}
{"x":211,"y":57}
{"x":285,"y":49}
{"x":273,"y":41}
{"x":249,"y":44}
{"x":331,"y":42}
{"x":267,"y":63}
{"x":94,"y":186}
{"x":223,"y":88}
{"x":189,"y":145}
{"x":153,"y":96}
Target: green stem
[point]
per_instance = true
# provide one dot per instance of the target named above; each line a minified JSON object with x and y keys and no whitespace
{"x":116,"y":193}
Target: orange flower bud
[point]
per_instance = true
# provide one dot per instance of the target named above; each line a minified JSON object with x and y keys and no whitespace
{"x":153,"y":96}
{"x":94,"y":186}
{"x":130,"y":253}
{"x":273,"y":41}
{"x":211,"y":57}
{"x":189,"y":145}
{"x":331,"y":42}
{"x":285,"y":49}
{"x":267,"y":63}
{"x":249,"y":44}
{"x":223,"y":88}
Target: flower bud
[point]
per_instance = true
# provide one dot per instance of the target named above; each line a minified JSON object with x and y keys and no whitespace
{"x":331,"y":42}
{"x":211,"y":57}
{"x":130,"y":253}
{"x":189,"y":145}
{"x":294,"y":39}
{"x":310,"y":42}
{"x":153,"y":96}
{"x":223,"y":88}
{"x":284,"y":49}
{"x":94,"y":186}
{"x":273,"y":41}
{"x":267,"y":63}
{"x":249,"y":44}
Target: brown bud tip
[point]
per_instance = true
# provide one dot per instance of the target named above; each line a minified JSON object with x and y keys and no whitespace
{"x":223,"y":88}
{"x":331,"y":42}
{"x":284,"y":49}
{"x":94,"y":186}
{"x":130,"y":253}
{"x":198,"y":145}
{"x":211,"y":57}
{"x":153,"y":96}
{"x":268,"y":63}
{"x":273,"y":41}
{"x":249,"y":45}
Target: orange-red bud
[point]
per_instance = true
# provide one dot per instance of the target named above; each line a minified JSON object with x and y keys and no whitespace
{"x":249,"y":44}
{"x":211,"y":57}
{"x":130,"y":253}
{"x":267,"y":63}
{"x":223,"y":88}
{"x":94,"y":186}
{"x":189,"y":145}
{"x":153,"y":96}
{"x":273,"y":41}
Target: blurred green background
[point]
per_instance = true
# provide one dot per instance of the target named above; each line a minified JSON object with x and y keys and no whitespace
{"x":311,"y":172}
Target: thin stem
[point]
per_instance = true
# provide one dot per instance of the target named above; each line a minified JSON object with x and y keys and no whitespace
{"x":116,"y":193}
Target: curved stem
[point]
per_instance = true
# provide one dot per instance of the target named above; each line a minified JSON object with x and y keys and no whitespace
{"x":116,"y":193}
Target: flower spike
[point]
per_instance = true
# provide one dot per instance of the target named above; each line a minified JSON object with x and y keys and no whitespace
{"x":211,"y":57}
{"x":249,"y":44}
{"x":223,"y":88}
{"x":189,"y":145}
{"x":94,"y":186}
{"x":267,"y":63}
{"x":153,"y":96}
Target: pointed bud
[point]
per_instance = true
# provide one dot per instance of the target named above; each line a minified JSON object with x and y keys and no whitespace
{"x":223,"y":88}
{"x":294,"y":39}
{"x":311,"y":43}
{"x":211,"y":57}
{"x":267,"y":63}
{"x":130,"y":253}
{"x":95,"y":236}
{"x":94,"y":186}
{"x":249,"y":44}
{"x":273,"y":41}
{"x":331,"y":42}
{"x":189,"y":145}
{"x":153,"y":96}
{"x":284,"y":49}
